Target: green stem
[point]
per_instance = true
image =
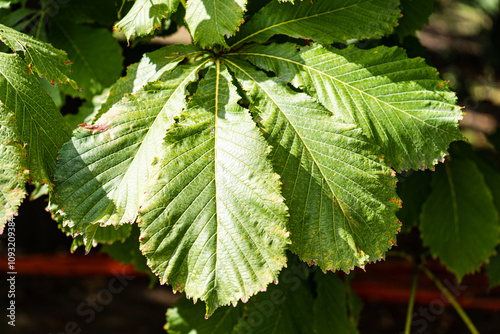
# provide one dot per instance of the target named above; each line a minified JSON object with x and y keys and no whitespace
{"x":452,"y":300}
{"x":183,"y":2}
{"x":411,"y":302}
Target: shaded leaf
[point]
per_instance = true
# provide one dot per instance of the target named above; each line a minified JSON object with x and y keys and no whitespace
{"x":330,"y":306}
{"x":400,"y":103}
{"x":18,"y":19}
{"x":127,"y":251}
{"x":493,"y":269}
{"x":286,"y":308}
{"x":209,"y":21}
{"x":413,"y":188}
{"x":184,"y":318}
{"x":214,"y":223}
{"x":39,"y":191}
{"x":41,"y":57}
{"x":145,"y":16}
{"x":459,"y":221}
{"x":102,"y":12}
{"x":96,"y":55}
{"x":13,"y":163}
{"x":414,"y":15}
{"x":323,"y":21}
{"x":87,"y":111}
{"x":341,"y":198}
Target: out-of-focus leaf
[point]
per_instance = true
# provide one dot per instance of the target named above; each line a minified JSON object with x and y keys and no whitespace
{"x":215,"y":203}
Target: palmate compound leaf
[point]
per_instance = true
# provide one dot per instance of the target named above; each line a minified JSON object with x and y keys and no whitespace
{"x":400,"y":103}
{"x":145,"y":16}
{"x":210,"y":21}
{"x":13,"y":161}
{"x":323,"y":21}
{"x":459,"y":221}
{"x":102,"y":170}
{"x":41,"y":127}
{"x":214,"y":221}
{"x":44,"y":59}
{"x":341,"y":198}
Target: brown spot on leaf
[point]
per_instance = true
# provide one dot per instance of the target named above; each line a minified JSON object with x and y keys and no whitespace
{"x":94,"y":127}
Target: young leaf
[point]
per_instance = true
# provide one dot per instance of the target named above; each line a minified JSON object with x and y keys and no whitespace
{"x":40,"y":125}
{"x":209,"y":21}
{"x":214,"y":222}
{"x":41,"y":57}
{"x":341,"y":198}
{"x":96,"y":55}
{"x":323,"y":21}
{"x":13,"y":162}
{"x":145,"y":16}
{"x":330,"y":307}
{"x":400,"y":103}
{"x":102,"y":170}
{"x":459,"y":221}
{"x":18,"y":19}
